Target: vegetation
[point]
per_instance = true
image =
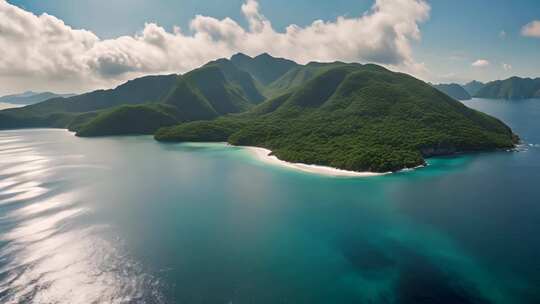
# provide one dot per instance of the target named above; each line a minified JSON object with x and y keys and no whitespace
{"x":356,"y":118}
{"x":511,"y":88}
{"x":297,"y":76}
{"x":453,"y":90}
{"x":129,"y":119}
{"x":201,"y":131}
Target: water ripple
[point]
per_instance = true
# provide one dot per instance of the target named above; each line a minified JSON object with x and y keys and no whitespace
{"x":49,"y":251}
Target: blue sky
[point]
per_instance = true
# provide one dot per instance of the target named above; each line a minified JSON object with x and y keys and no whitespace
{"x":459,"y":32}
{"x":456,"y":33}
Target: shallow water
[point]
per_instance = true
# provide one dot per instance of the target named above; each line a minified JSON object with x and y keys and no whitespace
{"x":126,"y":219}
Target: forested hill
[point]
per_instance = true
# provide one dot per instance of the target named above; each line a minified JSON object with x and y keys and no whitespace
{"x":355,"y":117}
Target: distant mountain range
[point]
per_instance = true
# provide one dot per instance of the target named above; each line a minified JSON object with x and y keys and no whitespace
{"x":510,"y":89}
{"x":453,"y":90}
{"x":473,"y":87}
{"x":348,"y":116}
{"x":28,"y":98}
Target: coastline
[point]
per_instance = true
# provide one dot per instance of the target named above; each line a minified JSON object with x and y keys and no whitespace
{"x":264,"y":156}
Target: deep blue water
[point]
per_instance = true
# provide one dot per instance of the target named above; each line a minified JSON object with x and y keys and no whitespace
{"x":129,"y":220}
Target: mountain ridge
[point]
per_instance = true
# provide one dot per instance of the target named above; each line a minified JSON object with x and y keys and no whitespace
{"x":264,"y":68}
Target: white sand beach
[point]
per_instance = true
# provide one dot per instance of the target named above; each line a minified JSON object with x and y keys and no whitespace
{"x":264,"y":155}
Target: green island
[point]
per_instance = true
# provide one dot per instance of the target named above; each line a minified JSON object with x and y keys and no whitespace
{"x":348,"y":116}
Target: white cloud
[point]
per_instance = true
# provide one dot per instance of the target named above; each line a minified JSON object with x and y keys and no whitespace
{"x":43,"y":52}
{"x":503,"y":34}
{"x":531,"y":29}
{"x":506,"y":66}
{"x":480,"y":63}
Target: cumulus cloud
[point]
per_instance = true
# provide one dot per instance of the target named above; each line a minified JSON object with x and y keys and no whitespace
{"x":480,"y":63}
{"x":44,"y":50}
{"x":506,"y":66}
{"x":531,"y":29}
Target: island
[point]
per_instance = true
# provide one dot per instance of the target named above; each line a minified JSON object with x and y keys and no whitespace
{"x":350,"y":116}
{"x":511,"y":88}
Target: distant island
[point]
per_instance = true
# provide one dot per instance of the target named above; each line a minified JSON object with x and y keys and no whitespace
{"x":453,"y":90}
{"x":348,"y":116}
{"x":510,"y":89}
{"x":28,"y":98}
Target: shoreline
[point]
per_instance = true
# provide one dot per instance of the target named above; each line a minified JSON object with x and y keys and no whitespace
{"x":263,"y":155}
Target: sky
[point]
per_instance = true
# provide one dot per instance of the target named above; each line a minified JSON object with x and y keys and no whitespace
{"x":77,"y":46}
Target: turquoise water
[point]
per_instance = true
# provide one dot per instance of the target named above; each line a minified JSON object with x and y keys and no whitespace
{"x":129,"y":220}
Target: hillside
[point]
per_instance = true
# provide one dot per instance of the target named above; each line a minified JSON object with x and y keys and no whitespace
{"x":354,"y":117}
{"x":298,"y":76}
{"x":511,"y":88}
{"x":453,"y":90}
{"x":129,"y":119}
